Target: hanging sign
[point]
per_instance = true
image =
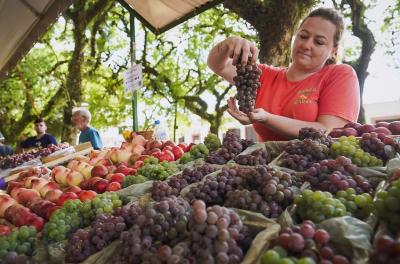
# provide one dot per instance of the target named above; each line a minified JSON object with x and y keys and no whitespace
{"x":133,"y":78}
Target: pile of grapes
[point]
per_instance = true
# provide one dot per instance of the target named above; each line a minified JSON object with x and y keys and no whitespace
{"x":196,"y":152}
{"x":176,"y":183}
{"x":318,"y":206}
{"x":360,"y":206}
{"x":19,"y":242}
{"x":75,"y":214}
{"x":299,"y":155}
{"x":335,"y":175}
{"x":306,"y":243}
{"x":232,"y":145}
{"x":379,"y":145}
{"x":15,"y":160}
{"x":262,"y":188}
{"x":247,"y":82}
{"x":387,"y":206}
{"x":257,"y":157}
{"x":314,"y":134}
{"x":386,"y":251}
{"x":349,"y":147}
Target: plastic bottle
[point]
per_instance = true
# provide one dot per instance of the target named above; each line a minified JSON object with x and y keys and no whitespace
{"x":160,"y":130}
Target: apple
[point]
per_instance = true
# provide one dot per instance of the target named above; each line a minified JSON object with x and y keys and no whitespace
{"x":139,"y":140}
{"x":38,"y":184}
{"x":85,"y":169}
{"x":74,"y":189}
{"x":114,"y":186}
{"x":111,"y":169}
{"x":382,"y":124}
{"x":103,"y":161}
{"x":143,"y":157}
{"x":14,"y":192}
{"x":166,"y":155}
{"x":26,"y":195}
{"x":5,"y":202}
{"x":60,"y":174}
{"x":183,"y":146}
{"x":382,"y":130}
{"x":28,"y":181}
{"x":85,"y":184}
{"x":122,"y":169}
{"x":366,"y":128}
{"x":349,"y":131}
{"x":138,"y":164}
{"x":87,"y":195}
{"x":394,"y":127}
{"x":154,"y":144}
{"x":177,"y":152}
{"x":116,"y":177}
{"x":74,"y":178}
{"x":48,"y":187}
{"x":65,"y":197}
{"x":4,"y":230}
{"x":36,"y":222}
{"x":168,"y":143}
{"x":91,"y":183}
{"x":167,"y":148}
{"x":99,"y":171}
{"x":101,"y":185}
{"x":53,"y":195}
{"x":72,"y":164}
{"x":14,"y":185}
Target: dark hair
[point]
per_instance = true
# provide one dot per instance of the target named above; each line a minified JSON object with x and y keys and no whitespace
{"x":335,"y":18}
{"x":39,"y":120}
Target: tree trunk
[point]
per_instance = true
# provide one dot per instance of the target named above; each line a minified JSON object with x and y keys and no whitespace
{"x":275,"y":23}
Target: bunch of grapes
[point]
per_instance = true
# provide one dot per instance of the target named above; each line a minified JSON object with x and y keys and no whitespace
{"x":262,"y":188}
{"x":334,"y":175}
{"x":387,"y":206}
{"x":307,"y":147}
{"x":158,"y":171}
{"x":279,"y":255}
{"x":386,"y":251}
{"x":176,"y":183}
{"x":232,"y":145}
{"x":212,"y":142}
{"x":13,"y":257}
{"x":20,"y":241}
{"x":359,"y":206}
{"x":214,"y":234}
{"x":196,"y":152}
{"x":85,"y":242}
{"x":315,"y":135}
{"x":318,"y":206}
{"x":106,"y":202}
{"x":296,"y":162}
{"x":257,"y":157}
{"x":133,"y":179}
{"x":349,"y":147}
{"x":379,"y":145}
{"x":247,"y":82}
{"x":305,"y":242}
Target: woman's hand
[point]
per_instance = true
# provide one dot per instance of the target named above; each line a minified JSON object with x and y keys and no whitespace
{"x":259,"y":115}
{"x":236,"y":113}
{"x":237,"y":46}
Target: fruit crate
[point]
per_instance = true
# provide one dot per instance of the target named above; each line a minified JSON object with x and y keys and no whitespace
{"x":146,"y":134}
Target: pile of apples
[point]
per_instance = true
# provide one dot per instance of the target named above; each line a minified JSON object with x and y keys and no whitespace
{"x":357,"y":130}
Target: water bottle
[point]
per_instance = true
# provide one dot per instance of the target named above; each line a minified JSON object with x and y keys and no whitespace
{"x":160,"y":131}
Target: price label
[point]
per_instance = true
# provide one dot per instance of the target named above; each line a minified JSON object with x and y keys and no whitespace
{"x":133,"y":78}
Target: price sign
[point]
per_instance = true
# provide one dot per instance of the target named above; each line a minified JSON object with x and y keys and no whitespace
{"x":133,"y":78}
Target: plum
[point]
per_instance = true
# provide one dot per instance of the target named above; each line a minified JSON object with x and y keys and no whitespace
{"x":394,"y":127}
{"x":349,"y":131}
{"x":382,"y":124}
{"x":366,"y":128}
{"x":382,"y":130}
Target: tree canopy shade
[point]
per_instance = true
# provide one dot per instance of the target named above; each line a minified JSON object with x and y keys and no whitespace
{"x":32,"y":18}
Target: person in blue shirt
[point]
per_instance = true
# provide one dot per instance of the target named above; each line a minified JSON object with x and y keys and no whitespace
{"x":42,"y":139}
{"x":81,"y":119}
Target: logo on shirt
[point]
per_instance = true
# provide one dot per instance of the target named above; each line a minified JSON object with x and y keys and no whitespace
{"x":306,"y":96}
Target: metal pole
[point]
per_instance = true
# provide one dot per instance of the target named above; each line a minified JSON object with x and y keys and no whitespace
{"x":135,"y":125}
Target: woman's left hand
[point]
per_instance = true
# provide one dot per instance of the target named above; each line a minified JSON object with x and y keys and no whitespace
{"x":259,"y":115}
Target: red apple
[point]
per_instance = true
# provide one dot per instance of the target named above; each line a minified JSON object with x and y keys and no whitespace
{"x":4,"y":230}
{"x":154,"y":144}
{"x":99,"y":171}
{"x":5,"y":202}
{"x":111,"y":169}
{"x":167,"y":148}
{"x":101,"y":185}
{"x":104,"y":161}
{"x":49,"y":186}
{"x":53,"y":195}
{"x":26,"y":195}
{"x":14,"y":185}
{"x":114,"y":186}
{"x":177,"y":152}
{"x":92,"y":182}
{"x":168,"y":143}
{"x":36,"y":222}
{"x":138,"y":164}
{"x":87,"y":195}
{"x":74,"y":189}
{"x":190,"y":146}
{"x":166,"y":156}
{"x":116,"y":177}
{"x":65,"y":197}
{"x":366,"y":128}
{"x":143,"y":157}
{"x":394,"y":127}
{"x":183,"y":146}
{"x":85,"y":184}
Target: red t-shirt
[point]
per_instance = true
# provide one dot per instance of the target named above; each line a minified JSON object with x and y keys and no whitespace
{"x":333,"y":90}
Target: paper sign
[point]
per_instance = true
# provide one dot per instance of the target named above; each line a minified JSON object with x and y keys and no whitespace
{"x":133,"y":78}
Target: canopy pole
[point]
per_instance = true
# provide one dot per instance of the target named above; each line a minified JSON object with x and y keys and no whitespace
{"x":135,"y":125}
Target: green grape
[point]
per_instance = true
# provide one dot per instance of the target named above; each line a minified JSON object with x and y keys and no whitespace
{"x":270,"y":257}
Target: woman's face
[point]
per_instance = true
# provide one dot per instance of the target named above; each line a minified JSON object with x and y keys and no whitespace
{"x":313,"y":44}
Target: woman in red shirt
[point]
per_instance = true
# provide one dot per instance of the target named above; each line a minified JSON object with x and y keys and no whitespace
{"x":313,"y":91}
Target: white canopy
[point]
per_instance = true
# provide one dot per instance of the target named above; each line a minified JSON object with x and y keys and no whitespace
{"x":23,"y":22}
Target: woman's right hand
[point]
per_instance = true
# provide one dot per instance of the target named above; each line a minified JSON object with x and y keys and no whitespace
{"x":237,"y":46}
{"x":236,"y":113}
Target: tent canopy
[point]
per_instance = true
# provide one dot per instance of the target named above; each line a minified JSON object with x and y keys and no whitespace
{"x":23,"y":22}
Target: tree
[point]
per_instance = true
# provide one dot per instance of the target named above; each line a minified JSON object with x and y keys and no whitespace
{"x":355,"y":10}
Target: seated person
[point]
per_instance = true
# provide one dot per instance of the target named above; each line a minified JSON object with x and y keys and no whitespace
{"x":81,"y":119}
{"x":42,"y":139}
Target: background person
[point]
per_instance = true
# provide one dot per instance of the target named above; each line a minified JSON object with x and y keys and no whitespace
{"x":81,"y":120}
{"x":42,"y":139}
